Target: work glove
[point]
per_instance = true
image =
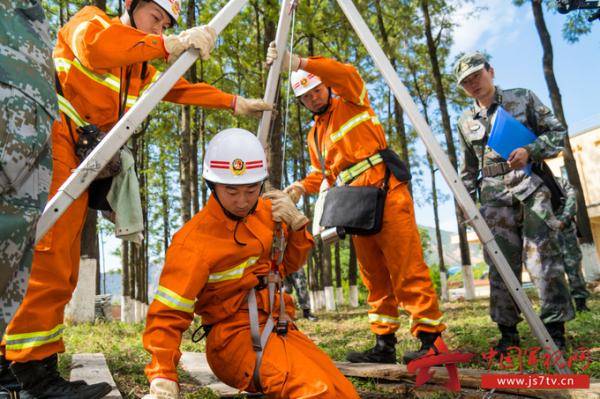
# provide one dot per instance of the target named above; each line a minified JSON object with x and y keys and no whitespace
{"x":295,"y":191}
{"x":161,"y":388}
{"x":199,"y":37}
{"x":284,"y":210}
{"x":288,"y":58}
{"x":250,"y":106}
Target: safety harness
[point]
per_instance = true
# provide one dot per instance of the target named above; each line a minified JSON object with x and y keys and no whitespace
{"x":273,"y":282}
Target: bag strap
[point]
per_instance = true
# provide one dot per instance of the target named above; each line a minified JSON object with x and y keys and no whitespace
{"x":319,"y":151}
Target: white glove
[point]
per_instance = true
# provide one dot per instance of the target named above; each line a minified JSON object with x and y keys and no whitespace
{"x":250,"y":107}
{"x":161,"y":388}
{"x":284,"y":210}
{"x":200,"y":37}
{"x":295,"y":191}
{"x":288,"y":58}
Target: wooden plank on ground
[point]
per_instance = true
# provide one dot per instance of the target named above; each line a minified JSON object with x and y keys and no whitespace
{"x":469,"y":378}
{"x":92,"y":368}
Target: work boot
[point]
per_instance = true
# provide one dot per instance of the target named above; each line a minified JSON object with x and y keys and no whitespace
{"x":580,"y":305}
{"x":510,"y":337}
{"x":384,"y":351}
{"x":307,"y":315}
{"x":51,"y":364}
{"x":38,"y":382}
{"x":557,"y":332}
{"x":9,"y":386}
{"x":427,"y":340}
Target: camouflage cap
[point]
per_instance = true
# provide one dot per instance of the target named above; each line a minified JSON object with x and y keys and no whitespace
{"x":467,"y":64}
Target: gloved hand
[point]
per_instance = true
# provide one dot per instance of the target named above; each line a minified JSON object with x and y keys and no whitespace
{"x":161,"y":388}
{"x":295,"y":191}
{"x":284,"y":210}
{"x":288,"y":58}
{"x":250,"y":106}
{"x":199,"y":37}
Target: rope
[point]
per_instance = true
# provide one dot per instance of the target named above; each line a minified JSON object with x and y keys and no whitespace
{"x":287,"y":95}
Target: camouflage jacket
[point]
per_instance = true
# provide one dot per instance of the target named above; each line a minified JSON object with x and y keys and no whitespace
{"x":474,"y":127}
{"x":26,"y":52}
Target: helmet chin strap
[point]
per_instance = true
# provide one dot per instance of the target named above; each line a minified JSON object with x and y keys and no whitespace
{"x":130,"y":11}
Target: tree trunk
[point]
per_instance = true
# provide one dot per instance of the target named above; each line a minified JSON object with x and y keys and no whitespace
{"x":451,"y":149}
{"x":125,"y":282}
{"x":352,"y":274}
{"x":398,"y":112}
{"x":89,"y":242}
{"x":164,"y":197}
{"x":438,"y":232}
{"x":583,"y":220}
{"x":101,"y":4}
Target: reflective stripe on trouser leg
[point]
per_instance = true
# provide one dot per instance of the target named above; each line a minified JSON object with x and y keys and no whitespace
{"x":376,"y":278}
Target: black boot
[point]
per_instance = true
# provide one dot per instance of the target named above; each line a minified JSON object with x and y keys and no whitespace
{"x":51,"y":364}
{"x":557,"y":332}
{"x":510,"y":337}
{"x":9,"y":386}
{"x":384,"y":351}
{"x":580,"y":305}
{"x":38,"y":382}
{"x":427,"y":340}
{"x":307,"y":315}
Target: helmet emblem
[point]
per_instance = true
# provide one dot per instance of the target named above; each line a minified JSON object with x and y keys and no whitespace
{"x":238,"y":167}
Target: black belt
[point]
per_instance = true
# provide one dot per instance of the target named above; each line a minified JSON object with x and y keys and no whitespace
{"x":495,"y":169}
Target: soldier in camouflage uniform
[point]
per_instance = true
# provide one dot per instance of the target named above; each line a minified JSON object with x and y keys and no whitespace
{"x":516,"y":206}
{"x":569,"y":246}
{"x":28,"y":106}
{"x":298,"y":280}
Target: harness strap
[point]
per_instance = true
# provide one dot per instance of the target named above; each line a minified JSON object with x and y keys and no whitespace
{"x":259,"y":341}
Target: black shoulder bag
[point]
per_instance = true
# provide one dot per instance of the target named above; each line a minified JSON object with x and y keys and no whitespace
{"x":355,"y":209}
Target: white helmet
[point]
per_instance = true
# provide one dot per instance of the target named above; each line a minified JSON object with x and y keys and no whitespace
{"x":235,"y":156}
{"x":303,"y":82}
{"x":171,"y":7}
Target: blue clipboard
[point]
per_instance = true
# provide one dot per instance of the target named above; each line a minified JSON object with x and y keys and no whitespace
{"x":509,"y":134}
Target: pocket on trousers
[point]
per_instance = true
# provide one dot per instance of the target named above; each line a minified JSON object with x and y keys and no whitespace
{"x":21,"y":138}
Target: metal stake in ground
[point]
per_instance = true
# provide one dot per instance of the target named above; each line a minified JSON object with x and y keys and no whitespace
{"x":454,"y":182}
{"x":89,"y":168}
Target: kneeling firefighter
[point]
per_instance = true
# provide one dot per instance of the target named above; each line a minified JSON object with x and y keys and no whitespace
{"x":348,"y":150}
{"x":226,"y":265}
{"x":101,"y":70}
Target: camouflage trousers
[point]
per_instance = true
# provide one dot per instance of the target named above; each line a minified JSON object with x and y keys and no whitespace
{"x":524,"y":235}
{"x":572,"y":257}
{"x":298,"y":280}
{"x":25,"y":172}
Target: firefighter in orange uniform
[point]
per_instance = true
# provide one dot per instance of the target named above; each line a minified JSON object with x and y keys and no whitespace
{"x":219,"y":266}
{"x":102,"y":69}
{"x":351,"y":141}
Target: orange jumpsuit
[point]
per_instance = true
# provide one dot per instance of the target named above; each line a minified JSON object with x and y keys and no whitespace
{"x":93,"y":56}
{"x":391,"y":261}
{"x":208,"y":273}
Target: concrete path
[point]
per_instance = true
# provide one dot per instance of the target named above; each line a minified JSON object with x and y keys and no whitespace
{"x":92,"y":368}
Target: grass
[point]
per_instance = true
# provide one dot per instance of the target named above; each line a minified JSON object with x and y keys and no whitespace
{"x":469,"y":329}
